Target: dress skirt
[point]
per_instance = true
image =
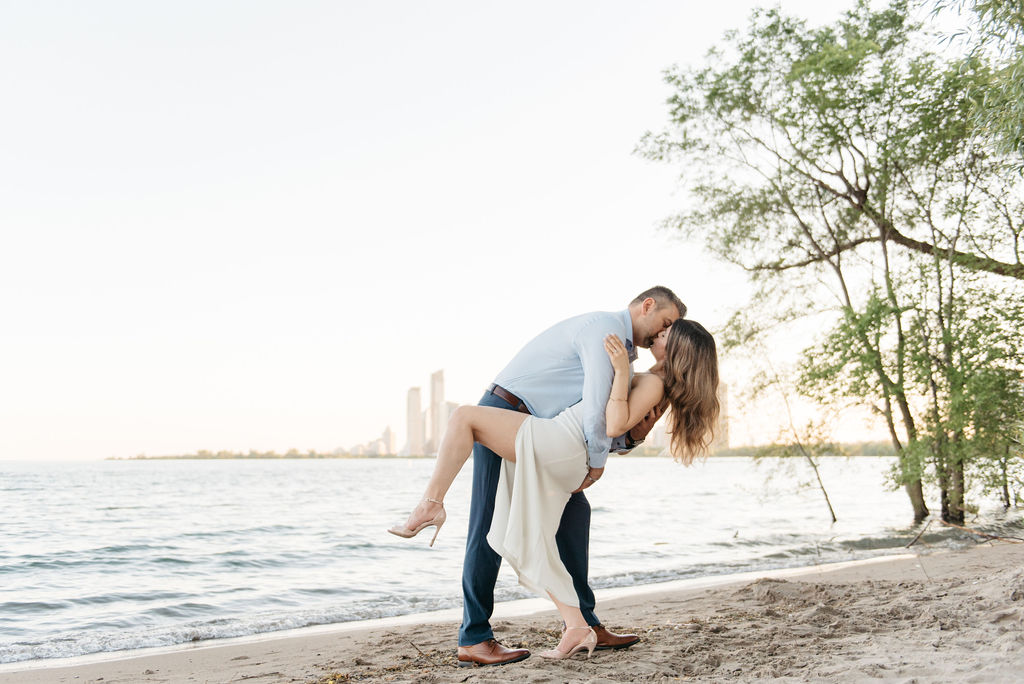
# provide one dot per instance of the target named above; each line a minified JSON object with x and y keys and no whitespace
{"x":551,"y":462}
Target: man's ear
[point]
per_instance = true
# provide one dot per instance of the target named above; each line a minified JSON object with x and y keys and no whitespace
{"x":649,"y":305}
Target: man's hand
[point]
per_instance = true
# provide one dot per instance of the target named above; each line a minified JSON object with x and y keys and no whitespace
{"x":639,"y":431}
{"x":593,"y":476}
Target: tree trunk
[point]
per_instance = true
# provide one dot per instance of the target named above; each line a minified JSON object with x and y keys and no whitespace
{"x":916,"y":494}
{"x":956,"y":493}
{"x":913,"y":488}
{"x":1006,"y":484}
{"x":942,"y":474}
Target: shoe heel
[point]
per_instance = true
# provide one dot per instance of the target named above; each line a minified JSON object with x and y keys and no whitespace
{"x":437,"y":528}
{"x":435,"y":522}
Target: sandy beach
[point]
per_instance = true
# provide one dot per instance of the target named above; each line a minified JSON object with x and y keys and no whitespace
{"x":923,"y":617}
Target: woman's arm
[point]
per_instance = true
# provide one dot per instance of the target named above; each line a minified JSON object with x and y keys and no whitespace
{"x":647,"y":391}
{"x":627,"y":408}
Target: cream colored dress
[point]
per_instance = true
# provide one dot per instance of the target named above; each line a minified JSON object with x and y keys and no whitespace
{"x":551,"y":462}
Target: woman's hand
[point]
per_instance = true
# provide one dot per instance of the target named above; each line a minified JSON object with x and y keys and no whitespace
{"x":592,"y":476}
{"x":617,"y":353}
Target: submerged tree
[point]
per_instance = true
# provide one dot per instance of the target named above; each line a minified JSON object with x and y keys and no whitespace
{"x":837,"y":166}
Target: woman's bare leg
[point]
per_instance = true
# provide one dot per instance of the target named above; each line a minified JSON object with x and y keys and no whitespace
{"x":573,"y":618}
{"x":495,"y":428}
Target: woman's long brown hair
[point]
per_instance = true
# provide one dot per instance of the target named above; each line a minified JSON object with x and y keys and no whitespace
{"x":691,"y":387}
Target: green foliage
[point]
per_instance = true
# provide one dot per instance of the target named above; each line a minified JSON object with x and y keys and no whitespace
{"x":801,"y":143}
{"x":827,"y":450}
{"x":838,"y":166}
{"x":995,"y":37}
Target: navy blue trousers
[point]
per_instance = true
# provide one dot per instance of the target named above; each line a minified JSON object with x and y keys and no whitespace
{"x":480,"y":568}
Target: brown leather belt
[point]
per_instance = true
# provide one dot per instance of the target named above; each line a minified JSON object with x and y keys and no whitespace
{"x":502,"y":393}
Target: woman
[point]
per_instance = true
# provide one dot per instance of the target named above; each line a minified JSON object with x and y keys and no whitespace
{"x":545,"y":460}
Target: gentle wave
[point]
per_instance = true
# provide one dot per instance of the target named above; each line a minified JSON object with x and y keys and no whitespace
{"x":164,"y":553}
{"x":65,"y":645}
{"x":96,"y":639}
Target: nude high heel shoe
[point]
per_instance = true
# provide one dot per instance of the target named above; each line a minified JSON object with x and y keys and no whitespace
{"x":436,"y":522}
{"x":589,"y":642}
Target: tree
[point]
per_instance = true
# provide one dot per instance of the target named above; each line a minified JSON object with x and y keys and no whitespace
{"x":996,"y":35}
{"x":836,"y":165}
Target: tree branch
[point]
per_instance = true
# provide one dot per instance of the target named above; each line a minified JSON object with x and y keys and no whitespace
{"x":822,"y":256}
{"x":969,"y":261}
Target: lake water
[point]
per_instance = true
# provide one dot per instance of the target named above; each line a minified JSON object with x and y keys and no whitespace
{"x":105,"y":556}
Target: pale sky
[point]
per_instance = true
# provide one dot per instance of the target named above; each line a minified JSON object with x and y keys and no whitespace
{"x":254,"y":225}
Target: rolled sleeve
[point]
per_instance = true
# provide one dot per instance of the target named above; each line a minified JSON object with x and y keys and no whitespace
{"x":620,"y":444}
{"x":597,"y":386}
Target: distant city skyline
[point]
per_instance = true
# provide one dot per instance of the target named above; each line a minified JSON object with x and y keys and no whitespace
{"x":241,"y":227}
{"x":420,"y":442}
{"x":382,"y":446}
{"x":425,"y":427}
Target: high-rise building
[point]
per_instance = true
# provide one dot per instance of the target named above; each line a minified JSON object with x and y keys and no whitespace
{"x":438,"y":419}
{"x":414,"y":423}
{"x":426,"y":426}
{"x":444,"y":414}
{"x":428,"y":444}
{"x":388,"y":440}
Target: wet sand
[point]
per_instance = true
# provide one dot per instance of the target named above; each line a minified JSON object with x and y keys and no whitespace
{"x":925,"y":617}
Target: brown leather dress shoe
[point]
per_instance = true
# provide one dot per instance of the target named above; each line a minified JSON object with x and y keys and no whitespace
{"x":490,"y":652}
{"x":606,"y":639}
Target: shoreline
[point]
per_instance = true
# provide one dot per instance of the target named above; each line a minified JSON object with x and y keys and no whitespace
{"x":502,"y":610}
{"x":359,"y":649}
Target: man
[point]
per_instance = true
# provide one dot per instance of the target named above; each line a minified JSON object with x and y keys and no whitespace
{"x":558,"y":368}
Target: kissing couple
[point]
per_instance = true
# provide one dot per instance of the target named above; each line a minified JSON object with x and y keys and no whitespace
{"x":541,"y":435}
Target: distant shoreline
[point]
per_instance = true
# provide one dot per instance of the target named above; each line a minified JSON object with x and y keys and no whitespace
{"x":855,"y":450}
{"x":246,"y":457}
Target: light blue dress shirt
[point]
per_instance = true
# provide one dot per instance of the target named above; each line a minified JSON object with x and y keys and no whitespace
{"x":567,"y":363}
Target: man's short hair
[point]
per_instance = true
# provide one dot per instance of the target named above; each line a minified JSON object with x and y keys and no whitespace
{"x":663,"y":296}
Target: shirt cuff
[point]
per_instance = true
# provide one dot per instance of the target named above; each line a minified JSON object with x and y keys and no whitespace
{"x":620,"y":443}
{"x":625,"y":443}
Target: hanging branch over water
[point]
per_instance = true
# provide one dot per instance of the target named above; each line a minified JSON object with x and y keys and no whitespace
{"x":797,"y":441}
{"x":914,"y":540}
